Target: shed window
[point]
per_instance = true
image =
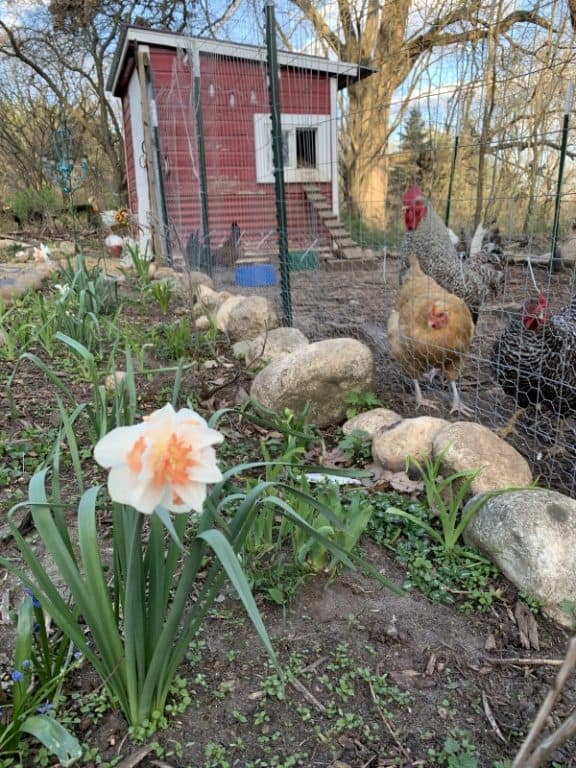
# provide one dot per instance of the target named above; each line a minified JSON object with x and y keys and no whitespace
{"x":306,"y":148}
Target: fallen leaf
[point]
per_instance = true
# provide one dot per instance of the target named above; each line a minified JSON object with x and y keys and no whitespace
{"x":431,"y":666}
{"x":490,"y":642}
{"x":334,"y":457}
{"x":400,"y":482}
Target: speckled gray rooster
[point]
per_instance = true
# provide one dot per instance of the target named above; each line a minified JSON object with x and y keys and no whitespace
{"x":534,"y":359}
{"x":475,"y":277}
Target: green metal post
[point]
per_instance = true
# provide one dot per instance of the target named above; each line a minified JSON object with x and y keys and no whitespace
{"x":206,"y":252}
{"x":451,"y":182}
{"x":563,"y":146}
{"x":281,"y":219}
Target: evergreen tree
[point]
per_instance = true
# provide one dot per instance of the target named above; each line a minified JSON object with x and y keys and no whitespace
{"x":415,"y":159}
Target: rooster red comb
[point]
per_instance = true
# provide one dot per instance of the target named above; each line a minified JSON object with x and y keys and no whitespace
{"x":413,"y":194}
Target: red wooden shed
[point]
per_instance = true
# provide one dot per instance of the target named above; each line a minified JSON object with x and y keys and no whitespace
{"x":197,"y":130}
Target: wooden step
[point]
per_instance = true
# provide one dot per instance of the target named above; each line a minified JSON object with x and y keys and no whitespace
{"x":352,"y":253}
{"x":345,"y":242}
{"x":316,"y":197}
{"x":341,"y":234}
{"x":327,"y":213}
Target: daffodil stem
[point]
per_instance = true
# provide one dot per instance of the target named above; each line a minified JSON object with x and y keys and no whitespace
{"x":134,"y":630}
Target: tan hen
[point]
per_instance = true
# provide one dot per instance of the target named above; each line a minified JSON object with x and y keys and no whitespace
{"x":431,"y":331}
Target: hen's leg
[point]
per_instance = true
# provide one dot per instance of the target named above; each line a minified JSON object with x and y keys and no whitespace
{"x":420,"y":400}
{"x":508,"y":428}
{"x":457,"y":404}
{"x":431,"y":374}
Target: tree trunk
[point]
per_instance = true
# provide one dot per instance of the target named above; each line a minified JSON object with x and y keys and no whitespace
{"x":368,"y":167}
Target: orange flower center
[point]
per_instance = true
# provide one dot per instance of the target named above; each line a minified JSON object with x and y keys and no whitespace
{"x":173,"y":462}
{"x":134,"y":458}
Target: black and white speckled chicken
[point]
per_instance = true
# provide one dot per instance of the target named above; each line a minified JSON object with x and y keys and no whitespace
{"x":534,"y":358}
{"x":474,"y":276}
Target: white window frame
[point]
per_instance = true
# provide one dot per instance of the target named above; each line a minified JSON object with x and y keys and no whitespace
{"x":293,"y":175}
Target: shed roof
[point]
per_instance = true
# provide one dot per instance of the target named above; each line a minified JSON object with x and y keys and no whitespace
{"x":345,"y":72}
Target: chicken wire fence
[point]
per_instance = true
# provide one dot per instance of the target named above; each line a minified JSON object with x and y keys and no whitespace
{"x":483,"y":129}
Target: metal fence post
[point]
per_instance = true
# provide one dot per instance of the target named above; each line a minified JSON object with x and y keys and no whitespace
{"x":278,"y":159}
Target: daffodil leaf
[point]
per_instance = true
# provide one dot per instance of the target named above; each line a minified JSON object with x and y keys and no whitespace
{"x":166,"y":521}
{"x":229,"y":560}
{"x":55,"y":738}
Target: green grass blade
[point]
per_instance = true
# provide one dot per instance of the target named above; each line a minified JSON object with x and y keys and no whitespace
{"x":23,"y":652}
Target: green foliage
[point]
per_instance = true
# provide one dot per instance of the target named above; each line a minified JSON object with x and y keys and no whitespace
{"x":38,"y":669}
{"x":454,"y":576}
{"x":357,"y":446}
{"x":32,"y":205}
{"x":18,"y":327}
{"x":22,"y":456}
{"x":162,"y":291}
{"x":173,"y":341}
{"x":445,"y":497}
{"x":299,"y":530}
{"x":457,"y":751}
{"x":361,"y":401}
{"x":140,"y":262}
{"x":414,"y":162}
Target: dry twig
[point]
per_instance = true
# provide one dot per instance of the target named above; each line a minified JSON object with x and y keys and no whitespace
{"x":530,"y":756}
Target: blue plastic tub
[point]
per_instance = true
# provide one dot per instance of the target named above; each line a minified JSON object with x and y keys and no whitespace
{"x":255,"y":275}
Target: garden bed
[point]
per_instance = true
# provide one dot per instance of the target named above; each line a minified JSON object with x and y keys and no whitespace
{"x":450,"y":673}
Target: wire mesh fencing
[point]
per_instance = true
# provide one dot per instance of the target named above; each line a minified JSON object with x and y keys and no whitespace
{"x":482,"y":127}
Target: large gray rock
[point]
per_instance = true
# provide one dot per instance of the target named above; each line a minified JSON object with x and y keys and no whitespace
{"x":411,"y":437}
{"x":531,"y":537}
{"x":322,"y":374}
{"x":371,"y":421}
{"x":250,"y":318}
{"x":279,"y":342}
{"x":467,"y":445}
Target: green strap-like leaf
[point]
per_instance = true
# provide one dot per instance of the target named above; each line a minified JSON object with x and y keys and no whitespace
{"x":54,"y":737}
{"x":231,"y":565}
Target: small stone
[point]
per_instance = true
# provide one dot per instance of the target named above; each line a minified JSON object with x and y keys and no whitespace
{"x":224,"y":310}
{"x":466,"y":445}
{"x":371,"y":421}
{"x":278,"y":342}
{"x":113,"y":380}
{"x":253,"y":316}
{"x":391,"y":446}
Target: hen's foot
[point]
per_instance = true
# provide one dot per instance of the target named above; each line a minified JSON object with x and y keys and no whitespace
{"x":422,"y":401}
{"x":457,"y":404}
{"x":462,"y":409}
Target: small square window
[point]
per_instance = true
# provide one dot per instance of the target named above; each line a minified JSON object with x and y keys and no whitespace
{"x":306,"y":155}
